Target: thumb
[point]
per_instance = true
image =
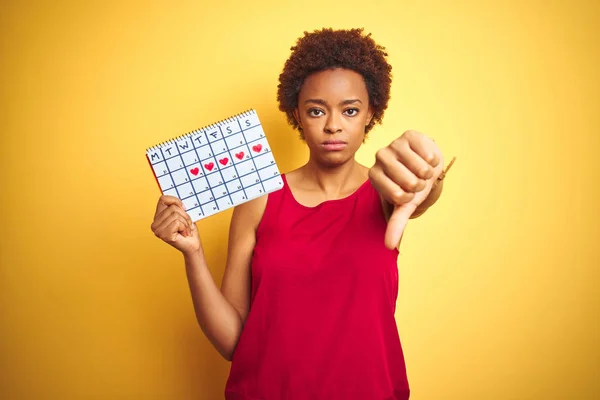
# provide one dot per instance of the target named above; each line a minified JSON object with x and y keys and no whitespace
{"x":193,"y":230}
{"x":397,"y":224}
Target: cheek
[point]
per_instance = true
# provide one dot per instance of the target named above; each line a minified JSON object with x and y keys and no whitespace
{"x":312,"y":128}
{"x":358,"y":127}
{"x":313,"y":122}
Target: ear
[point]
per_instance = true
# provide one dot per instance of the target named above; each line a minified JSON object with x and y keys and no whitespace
{"x":297,"y":117}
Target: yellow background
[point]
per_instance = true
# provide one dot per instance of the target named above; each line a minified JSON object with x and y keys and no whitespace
{"x":498,"y":296}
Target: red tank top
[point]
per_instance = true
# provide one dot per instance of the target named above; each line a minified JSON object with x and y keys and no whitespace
{"x":321,"y":323}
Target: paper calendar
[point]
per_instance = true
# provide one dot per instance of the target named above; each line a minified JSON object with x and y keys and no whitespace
{"x":217,"y":167}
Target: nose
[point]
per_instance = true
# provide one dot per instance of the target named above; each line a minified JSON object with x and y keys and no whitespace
{"x":333,"y":124}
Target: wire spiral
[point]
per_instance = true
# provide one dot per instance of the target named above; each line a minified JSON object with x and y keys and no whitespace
{"x":204,"y":129}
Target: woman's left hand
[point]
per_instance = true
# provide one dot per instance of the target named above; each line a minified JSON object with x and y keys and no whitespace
{"x":403,"y":174}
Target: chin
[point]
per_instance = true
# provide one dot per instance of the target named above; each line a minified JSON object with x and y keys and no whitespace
{"x":334,"y":159}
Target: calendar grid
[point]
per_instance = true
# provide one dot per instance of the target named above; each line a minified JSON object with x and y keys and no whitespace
{"x":169,"y":172}
{"x":202,"y":211}
{"x":244,"y":163}
{"x":220,"y":171}
{"x":188,"y":173}
{"x":210,"y":188}
{"x":252,"y":157}
{"x":237,"y":173}
{"x":229,"y":181}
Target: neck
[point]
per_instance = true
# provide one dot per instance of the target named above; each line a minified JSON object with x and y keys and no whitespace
{"x":333,"y":180}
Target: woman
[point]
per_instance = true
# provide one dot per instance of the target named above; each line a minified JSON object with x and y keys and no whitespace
{"x":306,"y":306}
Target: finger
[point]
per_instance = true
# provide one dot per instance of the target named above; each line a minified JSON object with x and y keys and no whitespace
{"x":175,"y":209}
{"x":397,"y":224}
{"x":194,"y":228}
{"x":166,"y":216}
{"x":173,"y":217}
{"x":425,"y":148}
{"x":167,"y":212}
{"x":404,"y":153}
{"x":169,"y":229}
{"x":391,"y":192}
{"x":398,"y":172}
{"x":180,"y":228}
{"x":165,"y":201}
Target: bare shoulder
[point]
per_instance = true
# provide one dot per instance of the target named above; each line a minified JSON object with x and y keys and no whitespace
{"x":250,"y":213}
{"x":294,"y":177}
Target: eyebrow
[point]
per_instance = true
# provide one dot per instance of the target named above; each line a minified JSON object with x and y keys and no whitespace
{"x":323,"y":102}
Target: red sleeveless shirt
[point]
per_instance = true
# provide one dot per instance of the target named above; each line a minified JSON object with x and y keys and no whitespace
{"x":321,"y":323}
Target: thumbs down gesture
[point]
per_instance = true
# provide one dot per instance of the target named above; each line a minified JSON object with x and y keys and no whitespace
{"x":404,"y":175}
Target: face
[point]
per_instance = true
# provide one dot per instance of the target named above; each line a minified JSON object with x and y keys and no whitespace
{"x":333,"y":111}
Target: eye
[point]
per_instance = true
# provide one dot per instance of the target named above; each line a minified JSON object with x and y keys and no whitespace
{"x":351,"y":112}
{"x":315,"y":112}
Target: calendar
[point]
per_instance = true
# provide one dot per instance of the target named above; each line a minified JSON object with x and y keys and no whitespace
{"x":217,"y":167}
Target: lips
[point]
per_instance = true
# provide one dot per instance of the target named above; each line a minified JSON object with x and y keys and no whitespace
{"x":334,"y":145}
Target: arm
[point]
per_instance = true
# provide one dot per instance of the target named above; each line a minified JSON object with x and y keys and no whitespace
{"x":220,"y":313}
{"x":218,"y":319}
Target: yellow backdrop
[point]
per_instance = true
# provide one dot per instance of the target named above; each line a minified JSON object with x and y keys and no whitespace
{"x":498,"y":296}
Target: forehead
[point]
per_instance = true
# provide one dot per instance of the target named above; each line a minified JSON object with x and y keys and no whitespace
{"x":334,"y":84}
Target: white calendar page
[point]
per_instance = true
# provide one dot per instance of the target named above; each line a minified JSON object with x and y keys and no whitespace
{"x":217,"y":167}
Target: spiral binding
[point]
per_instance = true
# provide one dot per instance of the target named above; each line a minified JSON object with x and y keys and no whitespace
{"x":201,"y":130}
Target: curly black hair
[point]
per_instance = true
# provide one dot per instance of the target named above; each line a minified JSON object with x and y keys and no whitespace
{"x":326,"y":49}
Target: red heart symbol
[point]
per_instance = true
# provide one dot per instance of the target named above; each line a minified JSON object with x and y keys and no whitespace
{"x":239,"y":155}
{"x":257,"y":148}
{"x":224,"y":161}
{"x":195,"y":171}
{"x":209,"y":166}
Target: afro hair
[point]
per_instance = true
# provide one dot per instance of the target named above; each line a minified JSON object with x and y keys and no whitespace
{"x":328,"y":49}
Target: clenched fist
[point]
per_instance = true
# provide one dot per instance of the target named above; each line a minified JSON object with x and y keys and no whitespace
{"x":173,"y":225}
{"x":403,"y":174}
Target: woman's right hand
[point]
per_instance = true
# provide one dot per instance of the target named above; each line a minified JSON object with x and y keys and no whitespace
{"x":174,"y":226}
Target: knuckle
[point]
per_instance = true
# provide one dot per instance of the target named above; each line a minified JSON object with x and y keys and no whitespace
{"x":398,"y":196}
{"x":425,"y":172}
{"x":399,"y":142}
{"x":409,"y":133}
{"x":413,"y":184}
{"x":430,"y":157}
{"x":164,"y":199}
